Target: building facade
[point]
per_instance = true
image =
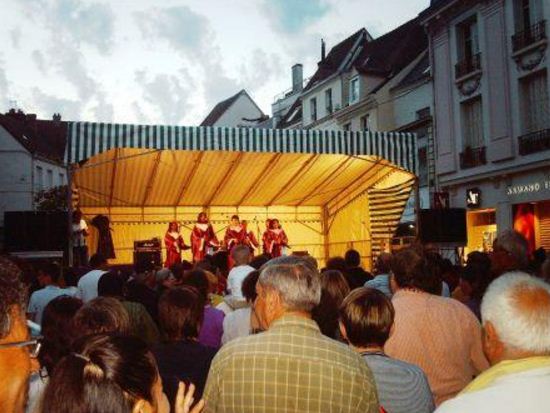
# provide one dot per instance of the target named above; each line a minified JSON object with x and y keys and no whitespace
{"x":492,"y":114}
{"x":31,"y":159}
{"x":238,"y":110}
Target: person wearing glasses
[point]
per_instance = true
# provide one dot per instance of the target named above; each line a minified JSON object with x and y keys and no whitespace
{"x":16,"y":347}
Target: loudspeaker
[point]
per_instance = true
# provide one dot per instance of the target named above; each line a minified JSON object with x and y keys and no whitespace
{"x":147,"y":260}
{"x":35,"y":231}
{"x":443,"y":226}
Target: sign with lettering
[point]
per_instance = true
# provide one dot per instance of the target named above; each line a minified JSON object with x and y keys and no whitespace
{"x":528,"y":188}
{"x":473,"y":198}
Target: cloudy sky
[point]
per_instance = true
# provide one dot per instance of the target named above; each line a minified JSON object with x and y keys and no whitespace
{"x":169,"y":61}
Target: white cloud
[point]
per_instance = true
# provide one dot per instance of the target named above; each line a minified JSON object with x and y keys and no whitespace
{"x":38,"y":59}
{"x":293,"y":16}
{"x":15,"y":35}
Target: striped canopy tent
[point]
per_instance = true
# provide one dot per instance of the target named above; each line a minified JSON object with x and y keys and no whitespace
{"x":331,"y":190}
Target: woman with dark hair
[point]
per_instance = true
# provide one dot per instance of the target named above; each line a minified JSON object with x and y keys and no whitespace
{"x":55,"y":344}
{"x":366,"y":321}
{"x":181,"y":356}
{"x":334,"y":288}
{"x":173,"y":241}
{"x":211,"y":330}
{"x":102,"y":315}
{"x":114,"y":374}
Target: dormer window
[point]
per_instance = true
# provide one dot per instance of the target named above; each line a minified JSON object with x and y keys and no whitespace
{"x":354,"y":90}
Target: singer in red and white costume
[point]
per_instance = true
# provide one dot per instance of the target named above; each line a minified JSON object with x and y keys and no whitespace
{"x":203,"y":238}
{"x":235,"y":235}
{"x":274,"y":239}
{"x":250,"y":239}
{"x":173,"y":241}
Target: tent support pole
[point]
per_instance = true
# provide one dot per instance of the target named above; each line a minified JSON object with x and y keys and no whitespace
{"x":417,"y":205}
{"x":70,"y":257}
{"x":326,"y":245}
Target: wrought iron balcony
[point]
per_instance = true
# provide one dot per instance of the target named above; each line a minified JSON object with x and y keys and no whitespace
{"x":472,"y":157}
{"x":529,"y":36}
{"x":534,"y":142}
{"x":468,"y":65}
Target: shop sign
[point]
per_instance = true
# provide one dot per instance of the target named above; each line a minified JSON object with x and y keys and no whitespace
{"x":441,"y":200}
{"x":529,"y":188}
{"x":473,"y":198}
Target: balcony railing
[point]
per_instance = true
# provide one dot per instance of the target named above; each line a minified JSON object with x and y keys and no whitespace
{"x":468,"y":65}
{"x":527,"y":37}
{"x":534,"y":142}
{"x":472,"y":157}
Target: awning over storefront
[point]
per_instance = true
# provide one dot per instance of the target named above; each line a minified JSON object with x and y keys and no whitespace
{"x":137,"y":167}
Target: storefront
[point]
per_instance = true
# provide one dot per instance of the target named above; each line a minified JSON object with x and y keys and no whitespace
{"x":520,"y":201}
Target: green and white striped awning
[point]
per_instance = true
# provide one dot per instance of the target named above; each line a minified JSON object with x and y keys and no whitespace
{"x":86,"y":140}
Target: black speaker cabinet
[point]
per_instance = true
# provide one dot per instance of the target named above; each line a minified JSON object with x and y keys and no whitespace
{"x":147,"y":260}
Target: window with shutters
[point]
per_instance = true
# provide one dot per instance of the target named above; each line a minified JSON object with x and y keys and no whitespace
{"x":534,"y":103}
{"x":472,"y":124}
{"x":313,"y":109}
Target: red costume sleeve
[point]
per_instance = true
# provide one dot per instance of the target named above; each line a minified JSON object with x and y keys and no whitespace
{"x":253,"y":240}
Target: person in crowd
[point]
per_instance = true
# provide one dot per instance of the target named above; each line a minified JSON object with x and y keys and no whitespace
{"x":510,"y":253}
{"x":274,"y":239}
{"x":174,"y":243}
{"x":80,"y":232}
{"x":535,"y":265}
{"x":439,"y":264}
{"x":87,"y":285}
{"x":244,"y":321}
{"x":56,"y":343}
{"x":102,"y":315}
{"x":291,"y":366}
{"x":516,"y":323}
{"x":259,"y":260}
{"x":16,"y":347}
{"x":334,"y":288}
{"x":141,"y":323}
{"x":141,"y":289}
{"x":164,"y":279}
{"x":381,"y":280}
{"x":57,"y":322}
{"x":474,"y":280}
{"x":545,"y":270}
{"x":438,"y":334}
{"x":355,"y":274}
{"x":111,"y":373}
{"x":234,"y":235}
{"x":336,"y":263}
{"x":48,"y":275}
{"x":366,"y":320}
{"x":241,"y":258}
{"x":181,"y":357}
{"x":203,"y":238}
{"x":211,"y":330}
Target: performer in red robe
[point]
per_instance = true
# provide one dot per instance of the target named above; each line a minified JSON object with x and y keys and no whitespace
{"x":250,"y":239}
{"x":203,"y":238}
{"x":173,"y":241}
{"x":235,"y":235}
{"x":274,"y":239}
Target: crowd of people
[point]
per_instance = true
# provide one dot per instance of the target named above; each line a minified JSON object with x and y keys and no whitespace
{"x":278,"y":334}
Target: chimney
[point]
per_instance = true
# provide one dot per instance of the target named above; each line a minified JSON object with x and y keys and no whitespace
{"x":323,"y":50}
{"x":56,"y":118}
{"x":297,"y":78}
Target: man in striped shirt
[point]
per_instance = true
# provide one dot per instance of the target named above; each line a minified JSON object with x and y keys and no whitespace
{"x":291,"y":367}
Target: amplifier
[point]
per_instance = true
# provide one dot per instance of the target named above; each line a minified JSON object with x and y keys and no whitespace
{"x":147,"y":245}
{"x":147,"y":260}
